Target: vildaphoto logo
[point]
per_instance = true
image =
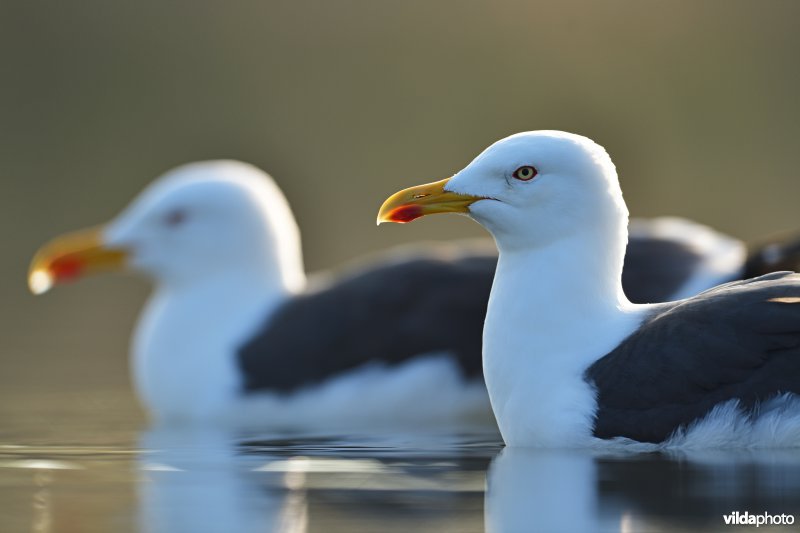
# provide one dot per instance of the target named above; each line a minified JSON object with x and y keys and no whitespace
{"x":764,"y":519}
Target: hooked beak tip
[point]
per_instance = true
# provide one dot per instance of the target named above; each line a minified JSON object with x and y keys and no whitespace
{"x":40,"y":281}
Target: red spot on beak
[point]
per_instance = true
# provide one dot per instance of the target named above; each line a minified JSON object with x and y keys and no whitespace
{"x":406,"y":213}
{"x":66,"y":268}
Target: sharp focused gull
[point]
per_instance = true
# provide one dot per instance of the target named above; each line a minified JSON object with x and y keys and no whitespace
{"x":568,"y":360}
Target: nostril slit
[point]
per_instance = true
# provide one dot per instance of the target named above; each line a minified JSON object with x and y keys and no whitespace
{"x":418,"y":196}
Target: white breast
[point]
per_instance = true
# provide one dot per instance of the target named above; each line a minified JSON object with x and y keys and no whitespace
{"x":184,"y":354}
{"x":540,"y":336}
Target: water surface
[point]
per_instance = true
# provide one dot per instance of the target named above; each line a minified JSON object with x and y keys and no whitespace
{"x":86,"y":462}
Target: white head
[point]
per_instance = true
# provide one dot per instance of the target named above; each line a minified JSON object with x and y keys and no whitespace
{"x":194,"y":223}
{"x":529,"y":190}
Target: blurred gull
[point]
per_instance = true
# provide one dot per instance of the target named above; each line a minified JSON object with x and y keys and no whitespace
{"x":233,"y":334}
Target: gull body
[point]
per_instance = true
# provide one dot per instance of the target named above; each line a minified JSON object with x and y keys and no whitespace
{"x":234,"y":335}
{"x":568,"y":360}
{"x":549,"y":316}
{"x":207,"y":298}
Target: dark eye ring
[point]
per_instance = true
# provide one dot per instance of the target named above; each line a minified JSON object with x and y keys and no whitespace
{"x":176,"y":217}
{"x":525,"y":173}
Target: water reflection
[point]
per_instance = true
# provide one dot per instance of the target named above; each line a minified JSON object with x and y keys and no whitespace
{"x":83,"y":476}
{"x":542,"y":490}
{"x":569,"y":490}
{"x":42,"y":502}
{"x":198,"y":480}
{"x":194,"y":480}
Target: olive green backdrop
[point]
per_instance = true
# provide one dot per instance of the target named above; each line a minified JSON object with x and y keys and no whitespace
{"x":344,"y":102}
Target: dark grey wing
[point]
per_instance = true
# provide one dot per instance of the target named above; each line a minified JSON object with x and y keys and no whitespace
{"x":387,"y":314}
{"x":781,"y":254}
{"x":737,"y":341}
{"x":656,"y":268}
{"x":671,"y":258}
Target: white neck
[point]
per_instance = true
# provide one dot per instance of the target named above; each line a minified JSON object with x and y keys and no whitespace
{"x":184,"y":350}
{"x":553,"y":311}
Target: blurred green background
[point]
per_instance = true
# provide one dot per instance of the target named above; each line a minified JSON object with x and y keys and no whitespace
{"x":346,"y":101}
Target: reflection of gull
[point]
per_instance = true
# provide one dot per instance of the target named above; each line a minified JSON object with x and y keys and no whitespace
{"x":206,"y":481}
{"x":738,"y":474}
{"x":532,"y":490}
{"x":193,"y":481}
{"x":542,"y":490}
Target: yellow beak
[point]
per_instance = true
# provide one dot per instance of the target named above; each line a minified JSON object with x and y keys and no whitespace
{"x":70,"y":257}
{"x":431,"y":198}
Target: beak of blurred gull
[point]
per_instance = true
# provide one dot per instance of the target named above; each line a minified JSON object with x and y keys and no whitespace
{"x":72,"y":256}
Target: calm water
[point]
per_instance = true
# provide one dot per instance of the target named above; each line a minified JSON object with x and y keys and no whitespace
{"x":81,"y":462}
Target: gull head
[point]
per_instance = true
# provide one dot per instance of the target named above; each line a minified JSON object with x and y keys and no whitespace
{"x":528,"y":190}
{"x":195,"y":222}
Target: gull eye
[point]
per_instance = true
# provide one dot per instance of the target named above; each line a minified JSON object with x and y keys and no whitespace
{"x":525,"y":173}
{"x":175,"y":218}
